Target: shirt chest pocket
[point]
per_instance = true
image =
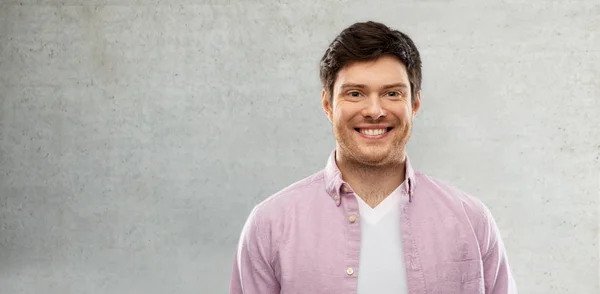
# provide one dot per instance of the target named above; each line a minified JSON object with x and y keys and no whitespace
{"x":464,"y":277}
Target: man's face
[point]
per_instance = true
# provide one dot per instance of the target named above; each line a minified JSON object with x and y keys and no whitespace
{"x":371,"y":111}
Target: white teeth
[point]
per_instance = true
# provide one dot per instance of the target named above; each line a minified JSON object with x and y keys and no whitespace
{"x":372,"y":132}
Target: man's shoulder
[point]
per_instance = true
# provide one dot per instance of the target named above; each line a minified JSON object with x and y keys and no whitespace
{"x":442,"y":192}
{"x":297,"y":193}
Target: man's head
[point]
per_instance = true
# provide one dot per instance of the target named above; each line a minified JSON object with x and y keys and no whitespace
{"x":371,"y":77}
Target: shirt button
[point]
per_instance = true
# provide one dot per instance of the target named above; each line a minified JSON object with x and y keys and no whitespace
{"x":352,"y":218}
{"x":345,"y":189}
{"x":336,"y":197}
{"x":349,"y":271}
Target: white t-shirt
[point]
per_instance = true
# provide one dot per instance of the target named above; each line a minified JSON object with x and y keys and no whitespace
{"x":381,"y":264}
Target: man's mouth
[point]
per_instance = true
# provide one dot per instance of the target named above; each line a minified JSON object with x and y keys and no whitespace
{"x":373,"y":132}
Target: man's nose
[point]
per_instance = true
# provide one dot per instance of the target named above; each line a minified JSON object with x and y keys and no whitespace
{"x":373,"y":108}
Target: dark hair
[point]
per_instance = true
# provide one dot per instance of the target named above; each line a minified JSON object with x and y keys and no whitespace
{"x":367,"y":41}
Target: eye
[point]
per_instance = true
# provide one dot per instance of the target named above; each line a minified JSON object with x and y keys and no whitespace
{"x":354,"y":94}
{"x":394,"y":94}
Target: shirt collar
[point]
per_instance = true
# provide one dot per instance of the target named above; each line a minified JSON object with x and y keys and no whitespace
{"x":335,"y":185}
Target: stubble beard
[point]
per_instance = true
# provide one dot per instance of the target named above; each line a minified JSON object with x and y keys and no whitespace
{"x":354,"y":155}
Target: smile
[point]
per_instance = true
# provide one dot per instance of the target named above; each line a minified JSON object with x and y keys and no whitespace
{"x":373,"y":133}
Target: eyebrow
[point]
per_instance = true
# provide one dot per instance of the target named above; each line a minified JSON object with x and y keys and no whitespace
{"x":362,"y":86}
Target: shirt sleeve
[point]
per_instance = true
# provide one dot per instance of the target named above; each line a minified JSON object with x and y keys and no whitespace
{"x":252,"y":271}
{"x":497,"y":274}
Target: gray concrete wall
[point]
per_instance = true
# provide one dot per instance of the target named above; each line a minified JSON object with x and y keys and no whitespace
{"x":135,"y":136}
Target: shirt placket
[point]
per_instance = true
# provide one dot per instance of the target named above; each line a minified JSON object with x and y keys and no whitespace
{"x":414,"y":272}
{"x":351,"y":269}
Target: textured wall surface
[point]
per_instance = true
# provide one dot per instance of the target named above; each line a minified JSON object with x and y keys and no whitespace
{"x":135,"y":136}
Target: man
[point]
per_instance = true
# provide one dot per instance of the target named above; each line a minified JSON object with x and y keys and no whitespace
{"x":368,"y":222}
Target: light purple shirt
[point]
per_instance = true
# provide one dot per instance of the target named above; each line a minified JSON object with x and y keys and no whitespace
{"x":306,"y":239}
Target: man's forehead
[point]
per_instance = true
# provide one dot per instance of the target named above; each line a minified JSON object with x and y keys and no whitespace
{"x":397,"y":84}
{"x":372,"y":81}
{"x":382,"y":73}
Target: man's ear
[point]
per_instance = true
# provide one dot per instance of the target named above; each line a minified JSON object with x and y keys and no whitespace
{"x":416,"y":105}
{"x":327,"y":107}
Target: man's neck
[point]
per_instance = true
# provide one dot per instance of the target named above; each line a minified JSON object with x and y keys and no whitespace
{"x":372,"y":183}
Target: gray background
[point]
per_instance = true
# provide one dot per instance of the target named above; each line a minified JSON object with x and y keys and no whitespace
{"x":136,"y":136}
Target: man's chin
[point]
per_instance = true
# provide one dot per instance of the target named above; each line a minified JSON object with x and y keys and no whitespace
{"x":372,"y":157}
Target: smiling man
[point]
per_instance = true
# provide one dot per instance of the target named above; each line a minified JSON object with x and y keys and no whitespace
{"x":368,"y":222}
